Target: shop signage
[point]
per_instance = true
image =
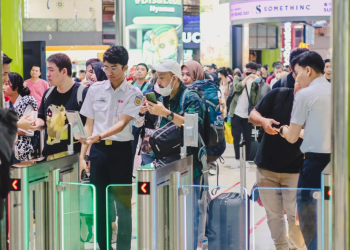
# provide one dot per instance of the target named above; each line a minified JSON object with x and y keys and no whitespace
{"x":280,"y":8}
{"x":287,"y":42}
{"x":189,"y":37}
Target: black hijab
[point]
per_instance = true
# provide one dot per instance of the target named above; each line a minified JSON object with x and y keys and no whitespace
{"x":100,"y":74}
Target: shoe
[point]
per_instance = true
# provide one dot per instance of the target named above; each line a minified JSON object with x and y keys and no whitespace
{"x":236,"y":164}
{"x":212,"y":169}
{"x":247,"y":165}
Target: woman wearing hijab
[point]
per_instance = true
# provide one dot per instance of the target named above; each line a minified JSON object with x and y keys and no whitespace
{"x":99,"y":74}
{"x":192,"y":71}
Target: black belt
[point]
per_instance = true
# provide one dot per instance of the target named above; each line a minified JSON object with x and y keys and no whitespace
{"x":316,"y":156}
{"x":111,"y":143}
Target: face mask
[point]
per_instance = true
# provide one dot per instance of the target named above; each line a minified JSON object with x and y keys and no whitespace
{"x":248,"y":73}
{"x":167,"y":90}
{"x":257,"y":80}
{"x":278,"y":75}
{"x":156,"y":88}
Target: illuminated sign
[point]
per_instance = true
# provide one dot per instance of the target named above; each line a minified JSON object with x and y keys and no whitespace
{"x":280,"y":8}
{"x":153,"y":30}
{"x":188,"y":37}
{"x":303,"y":45}
{"x":287,"y":34}
{"x":144,"y":188}
{"x":15,"y":184}
{"x":327,"y":193}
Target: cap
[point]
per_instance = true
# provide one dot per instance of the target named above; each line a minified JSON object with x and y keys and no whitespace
{"x":168,"y":65}
{"x":211,"y":66}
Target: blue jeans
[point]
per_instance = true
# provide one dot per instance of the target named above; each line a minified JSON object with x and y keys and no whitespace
{"x":146,"y":159}
{"x":310,"y":178}
{"x":196,"y":198}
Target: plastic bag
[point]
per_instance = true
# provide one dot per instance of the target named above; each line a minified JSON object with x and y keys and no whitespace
{"x":228,"y":134}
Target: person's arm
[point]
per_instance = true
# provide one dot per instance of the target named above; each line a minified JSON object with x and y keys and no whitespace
{"x":292,"y":133}
{"x":24,"y":124}
{"x":258,"y":120}
{"x":159,"y":110}
{"x":89,"y":125}
{"x":28,"y":110}
{"x":256,"y":89}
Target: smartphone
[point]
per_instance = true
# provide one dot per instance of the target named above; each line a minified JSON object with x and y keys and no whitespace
{"x":151,"y":96}
{"x":33,"y":115}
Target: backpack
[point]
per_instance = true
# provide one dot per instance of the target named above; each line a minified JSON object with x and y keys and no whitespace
{"x":79,"y":94}
{"x":214,"y":136}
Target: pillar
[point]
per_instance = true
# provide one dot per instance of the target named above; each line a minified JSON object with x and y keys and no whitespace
{"x":11,"y":26}
{"x":270,"y":56}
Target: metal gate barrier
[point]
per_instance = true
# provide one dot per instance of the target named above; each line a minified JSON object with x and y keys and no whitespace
{"x":44,"y":178}
{"x":162,"y":203}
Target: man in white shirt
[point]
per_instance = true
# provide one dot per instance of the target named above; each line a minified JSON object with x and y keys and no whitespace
{"x":109,"y":107}
{"x":312,"y":110}
{"x":245,"y":97}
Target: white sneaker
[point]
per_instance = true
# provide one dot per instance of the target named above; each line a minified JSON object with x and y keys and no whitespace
{"x":212,"y":169}
{"x":236,"y":164}
{"x":247,"y":165}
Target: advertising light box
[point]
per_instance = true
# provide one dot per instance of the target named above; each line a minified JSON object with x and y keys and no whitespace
{"x":280,"y":9}
{"x":153,"y":30}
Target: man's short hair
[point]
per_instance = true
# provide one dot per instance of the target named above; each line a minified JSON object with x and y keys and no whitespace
{"x":116,"y":55}
{"x":311,"y":59}
{"x":327,"y":61}
{"x":265,"y":66}
{"x":81,"y":71}
{"x":36,"y":65}
{"x":294,"y":53}
{"x":144,"y":65}
{"x":6,"y":59}
{"x":277,"y":66}
{"x":62,"y":61}
{"x":153,"y":71}
{"x":91,"y":61}
{"x":252,"y":65}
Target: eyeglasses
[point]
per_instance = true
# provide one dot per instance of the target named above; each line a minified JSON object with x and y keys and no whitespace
{"x":112,"y":70}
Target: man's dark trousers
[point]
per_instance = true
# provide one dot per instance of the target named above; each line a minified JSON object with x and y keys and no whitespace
{"x":309,"y":182}
{"x":112,"y":164}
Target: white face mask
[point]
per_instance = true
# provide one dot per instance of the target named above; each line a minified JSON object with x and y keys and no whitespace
{"x":167,"y":90}
{"x":278,"y":75}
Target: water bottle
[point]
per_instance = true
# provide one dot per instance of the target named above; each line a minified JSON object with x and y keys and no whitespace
{"x":219,"y":119}
{"x":205,"y":243}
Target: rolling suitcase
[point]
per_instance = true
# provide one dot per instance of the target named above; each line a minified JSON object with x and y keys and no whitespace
{"x":227,"y":228}
{"x":254,"y":145}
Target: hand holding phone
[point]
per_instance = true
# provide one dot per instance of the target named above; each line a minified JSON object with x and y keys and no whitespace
{"x":151,"y":96}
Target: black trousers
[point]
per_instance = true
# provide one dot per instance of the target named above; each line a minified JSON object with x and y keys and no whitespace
{"x":136,"y":133}
{"x":240,"y":126}
{"x":112,"y":165}
{"x":309,"y":182}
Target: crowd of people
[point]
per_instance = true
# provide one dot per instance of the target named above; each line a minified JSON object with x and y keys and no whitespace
{"x":291,"y":105}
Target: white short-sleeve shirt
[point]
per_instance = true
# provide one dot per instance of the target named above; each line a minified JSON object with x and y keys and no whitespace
{"x":105,"y":106}
{"x":313,"y":109}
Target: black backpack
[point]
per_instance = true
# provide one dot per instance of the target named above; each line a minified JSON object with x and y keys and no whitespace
{"x":166,"y":141}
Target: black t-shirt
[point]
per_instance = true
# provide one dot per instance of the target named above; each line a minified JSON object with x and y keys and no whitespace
{"x":53,"y":112}
{"x":275,"y":153}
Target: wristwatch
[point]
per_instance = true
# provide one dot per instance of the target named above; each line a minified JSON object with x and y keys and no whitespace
{"x":170,"y":117}
{"x":87,"y":158}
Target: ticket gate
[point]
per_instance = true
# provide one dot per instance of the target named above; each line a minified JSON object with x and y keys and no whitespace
{"x":44,"y":178}
{"x":162,"y":214}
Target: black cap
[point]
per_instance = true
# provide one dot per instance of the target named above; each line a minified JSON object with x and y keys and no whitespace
{"x":211,"y":66}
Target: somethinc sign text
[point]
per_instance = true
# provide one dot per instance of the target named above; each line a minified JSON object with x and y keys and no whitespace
{"x":280,"y":8}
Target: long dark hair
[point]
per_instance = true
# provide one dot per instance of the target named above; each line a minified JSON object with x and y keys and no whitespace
{"x":18,"y":85}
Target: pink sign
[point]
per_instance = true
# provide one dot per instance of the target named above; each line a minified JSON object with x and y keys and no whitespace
{"x":280,"y":8}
